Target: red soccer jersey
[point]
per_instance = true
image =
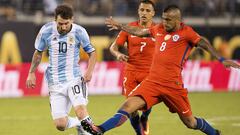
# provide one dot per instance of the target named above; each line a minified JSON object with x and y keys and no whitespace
{"x":171,"y":51}
{"x":140,"y":50}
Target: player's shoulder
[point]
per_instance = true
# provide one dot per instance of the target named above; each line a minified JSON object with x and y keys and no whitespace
{"x":78,"y":28}
{"x":48,"y":27}
{"x":186,"y":27}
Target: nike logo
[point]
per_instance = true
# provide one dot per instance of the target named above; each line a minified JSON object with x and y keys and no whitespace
{"x":185,"y":111}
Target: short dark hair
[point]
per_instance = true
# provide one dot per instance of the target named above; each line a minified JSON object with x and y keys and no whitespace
{"x":170,"y":8}
{"x":65,"y":11}
{"x":148,"y":2}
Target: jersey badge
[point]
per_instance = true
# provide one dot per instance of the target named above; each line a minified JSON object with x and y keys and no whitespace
{"x":71,"y":40}
{"x":167,"y":37}
{"x":175,"y":38}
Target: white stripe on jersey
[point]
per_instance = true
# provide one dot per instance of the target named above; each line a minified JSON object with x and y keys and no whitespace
{"x":70,"y":60}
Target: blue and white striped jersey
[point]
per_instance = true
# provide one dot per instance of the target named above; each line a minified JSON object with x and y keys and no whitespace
{"x":63,"y":51}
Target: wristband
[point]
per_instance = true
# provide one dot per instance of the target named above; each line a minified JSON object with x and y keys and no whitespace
{"x":221,"y":59}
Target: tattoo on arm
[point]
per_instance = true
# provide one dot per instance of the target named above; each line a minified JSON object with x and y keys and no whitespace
{"x":36,"y":59}
{"x":136,"y":30}
{"x":205,"y":45}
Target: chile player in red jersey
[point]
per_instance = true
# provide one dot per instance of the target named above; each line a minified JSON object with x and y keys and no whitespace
{"x":138,"y":61}
{"x":174,"y":41}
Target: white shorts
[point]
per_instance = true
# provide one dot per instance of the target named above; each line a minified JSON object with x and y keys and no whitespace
{"x":63,"y":96}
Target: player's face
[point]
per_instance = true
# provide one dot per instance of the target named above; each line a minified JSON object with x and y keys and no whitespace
{"x":63,"y":25}
{"x":169,"y":21}
{"x":145,"y":12}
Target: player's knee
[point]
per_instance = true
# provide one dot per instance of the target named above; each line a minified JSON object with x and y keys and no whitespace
{"x":60,"y":124}
{"x":190,"y":122}
{"x":60,"y":127}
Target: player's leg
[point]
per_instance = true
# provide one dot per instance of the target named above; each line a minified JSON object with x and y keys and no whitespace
{"x":60,"y":107}
{"x":144,"y":121}
{"x":129,"y":83}
{"x":144,"y":96}
{"x":199,"y":124}
{"x":177,"y":101}
{"x":140,"y":76}
{"x":135,"y":122}
{"x":130,"y":105}
{"x":78,"y":96}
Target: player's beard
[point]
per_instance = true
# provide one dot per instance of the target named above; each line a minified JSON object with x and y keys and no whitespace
{"x":62,"y":32}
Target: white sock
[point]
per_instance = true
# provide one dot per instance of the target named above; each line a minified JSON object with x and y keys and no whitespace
{"x":73,"y":122}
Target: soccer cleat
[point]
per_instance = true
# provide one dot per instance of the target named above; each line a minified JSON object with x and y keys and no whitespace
{"x":144,"y":126}
{"x":81,"y":131}
{"x":91,"y":128}
{"x":218,"y":132}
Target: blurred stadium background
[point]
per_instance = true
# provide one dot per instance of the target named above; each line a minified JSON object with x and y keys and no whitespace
{"x":215,"y":91}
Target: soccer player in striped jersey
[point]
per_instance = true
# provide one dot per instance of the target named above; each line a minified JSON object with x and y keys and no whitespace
{"x":66,"y":83}
{"x":138,"y":61}
{"x":174,"y":41}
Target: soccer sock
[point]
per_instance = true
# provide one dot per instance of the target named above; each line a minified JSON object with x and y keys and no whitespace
{"x":205,"y":127}
{"x":118,"y":119}
{"x":135,"y":121}
{"x":73,"y":122}
{"x":145,"y":114}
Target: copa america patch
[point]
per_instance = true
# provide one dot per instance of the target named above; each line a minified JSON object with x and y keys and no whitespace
{"x":175,"y":38}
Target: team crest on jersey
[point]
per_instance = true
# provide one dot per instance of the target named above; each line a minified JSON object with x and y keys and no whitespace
{"x":167,"y":37}
{"x":71,"y":40}
{"x":175,"y":38}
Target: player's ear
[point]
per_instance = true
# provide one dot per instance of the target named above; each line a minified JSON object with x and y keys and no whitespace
{"x":153,"y":13}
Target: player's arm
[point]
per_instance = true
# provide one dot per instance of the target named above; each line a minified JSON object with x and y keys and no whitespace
{"x":91,"y":64}
{"x":31,"y":79}
{"x":205,"y":45}
{"x":114,"y":25}
{"x":114,"y":49}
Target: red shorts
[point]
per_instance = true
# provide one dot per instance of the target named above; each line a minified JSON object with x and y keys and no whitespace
{"x":131,"y":80}
{"x":175,"y":99}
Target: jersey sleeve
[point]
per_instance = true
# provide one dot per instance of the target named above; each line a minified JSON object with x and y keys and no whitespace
{"x":40,"y":42}
{"x":121,"y":38}
{"x":85,"y":41}
{"x":192,"y":36}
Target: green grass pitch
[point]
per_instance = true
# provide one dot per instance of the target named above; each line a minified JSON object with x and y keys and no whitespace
{"x":31,"y":116}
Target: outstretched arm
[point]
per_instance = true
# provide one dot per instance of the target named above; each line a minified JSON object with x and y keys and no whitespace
{"x":114,"y":25}
{"x":115,"y":52}
{"x":205,"y":45}
{"x":31,"y":79}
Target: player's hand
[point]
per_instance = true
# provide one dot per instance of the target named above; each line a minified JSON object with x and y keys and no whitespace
{"x":31,"y":80}
{"x":87,"y":77}
{"x":112,"y":24}
{"x":231,"y":63}
{"x":122,"y":57}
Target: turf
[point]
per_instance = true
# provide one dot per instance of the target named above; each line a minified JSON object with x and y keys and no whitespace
{"x":31,"y":116}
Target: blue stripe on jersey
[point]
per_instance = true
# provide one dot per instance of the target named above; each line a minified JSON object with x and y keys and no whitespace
{"x":62,"y":65}
{"x":76,"y":67}
{"x":89,"y":48}
{"x":50,"y":78}
{"x":185,"y":52}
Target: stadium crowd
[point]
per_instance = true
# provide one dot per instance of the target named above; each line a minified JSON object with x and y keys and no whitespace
{"x":9,"y":8}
